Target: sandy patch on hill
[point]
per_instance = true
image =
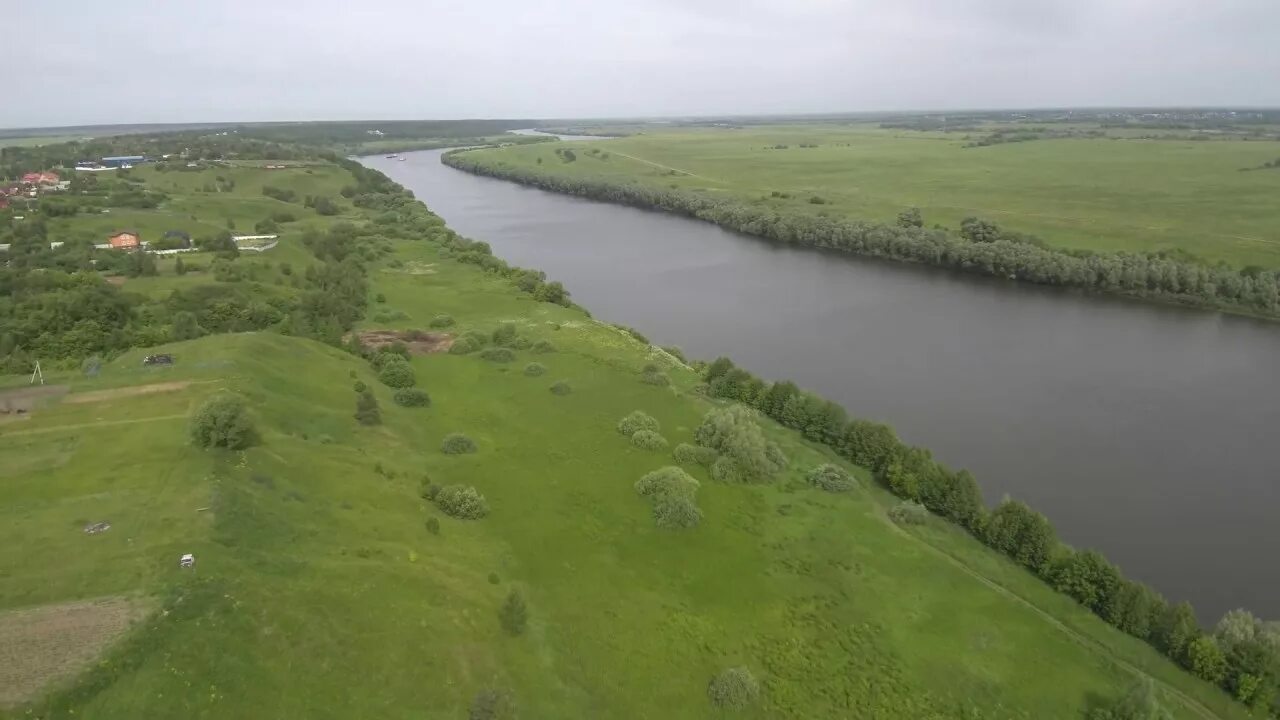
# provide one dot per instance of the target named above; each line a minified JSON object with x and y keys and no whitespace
{"x":418,"y":342}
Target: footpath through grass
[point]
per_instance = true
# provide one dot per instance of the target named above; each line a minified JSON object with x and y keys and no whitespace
{"x":320,"y":590}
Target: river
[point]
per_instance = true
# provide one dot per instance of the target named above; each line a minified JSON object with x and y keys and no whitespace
{"x":1143,"y":431}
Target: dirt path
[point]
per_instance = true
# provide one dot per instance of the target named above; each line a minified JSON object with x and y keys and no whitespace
{"x":667,"y":167}
{"x":99,"y":423}
{"x":131,"y":391}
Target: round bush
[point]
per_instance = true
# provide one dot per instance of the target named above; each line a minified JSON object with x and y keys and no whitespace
{"x":223,"y":422}
{"x":561,"y":387}
{"x":649,"y":440}
{"x":504,"y":335}
{"x":433,"y":526}
{"x":462,"y":501}
{"x":359,"y":386}
{"x":687,"y":454}
{"x":543,"y":347}
{"x":385,"y":357}
{"x":831,"y":478}
{"x":396,"y":375}
{"x":464,"y":346}
{"x":521,"y":343}
{"x":412,"y":397}
{"x":734,"y":689}
{"x":669,"y":480}
{"x":635,"y":421}
{"x":457,"y":444}
{"x":498,"y":355}
{"x":535,"y":369}
{"x":676,"y":512}
{"x":909,"y":512}
{"x":442,"y":321}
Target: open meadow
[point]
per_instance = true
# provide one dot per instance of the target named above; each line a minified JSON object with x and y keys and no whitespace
{"x":1103,"y":194}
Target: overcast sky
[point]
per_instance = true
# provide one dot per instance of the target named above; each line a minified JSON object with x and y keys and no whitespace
{"x":126,"y":61}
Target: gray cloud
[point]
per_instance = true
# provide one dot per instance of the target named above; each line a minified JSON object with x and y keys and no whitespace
{"x":142,"y":61}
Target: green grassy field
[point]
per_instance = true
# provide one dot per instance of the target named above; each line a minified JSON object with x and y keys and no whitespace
{"x":319,"y":592}
{"x":1095,"y":194}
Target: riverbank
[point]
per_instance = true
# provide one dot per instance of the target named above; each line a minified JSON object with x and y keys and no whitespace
{"x":980,"y":247}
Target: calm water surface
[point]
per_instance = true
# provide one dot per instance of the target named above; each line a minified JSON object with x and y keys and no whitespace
{"x":1146,"y":432}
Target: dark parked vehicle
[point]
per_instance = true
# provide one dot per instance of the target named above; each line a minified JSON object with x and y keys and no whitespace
{"x":165,"y":359}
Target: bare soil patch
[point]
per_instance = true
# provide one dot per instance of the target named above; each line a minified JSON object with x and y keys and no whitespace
{"x":418,"y":341}
{"x":42,"y":645}
{"x":131,"y":391}
{"x":117,"y":279}
{"x":21,"y":401}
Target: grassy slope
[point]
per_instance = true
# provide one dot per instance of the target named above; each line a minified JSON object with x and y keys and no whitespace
{"x":1105,"y":195}
{"x":319,"y":592}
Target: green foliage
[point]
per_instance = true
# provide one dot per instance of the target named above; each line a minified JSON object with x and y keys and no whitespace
{"x":734,"y":689}
{"x":464,"y":346}
{"x":1206,"y":659}
{"x":672,"y":512}
{"x":909,"y":512}
{"x":504,"y":335}
{"x":396,"y":375}
{"x":223,"y":422}
{"x":1021,"y":533}
{"x":442,"y":321}
{"x":687,"y":454}
{"x":674,"y":496}
{"x":669,"y":480}
{"x":910,"y":218}
{"x":367,"y":410}
{"x":648,"y":440}
{"x":412,"y":397}
{"x":638,"y":420}
{"x":463,"y":502}
{"x":359,"y":386}
{"x":534,"y":369}
{"x":655,"y":377}
{"x":514,"y":615}
{"x":1087,"y":577}
{"x":831,"y":478}
{"x":561,"y":387}
{"x":492,"y":704}
{"x":745,"y":454}
{"x":498,"y":355}
{"x":457,"y":444}
{"x":433,"y":526}
{"x":542,"y":347}
{"x":1140,"y":703}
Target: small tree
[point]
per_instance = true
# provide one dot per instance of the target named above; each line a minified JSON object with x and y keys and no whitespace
{"x":674,"y":512}
{"x":910,"y":218}
{"x":648,"y":440}
{"x":734,"y":689}
{"x":223,"y":422}
{"x":412,"y":397}
{"x":514,"y":615}
{"x":185,"y":326}
{"x":462,"y":501}
{"x":687,"y":454}
{"x":637,"y":420}
{"x":367,"y":410}
{"x":1206,"y":659}
{"x":457,"y":444}
{"x":831,"y":478}
{"x":396,"y":375}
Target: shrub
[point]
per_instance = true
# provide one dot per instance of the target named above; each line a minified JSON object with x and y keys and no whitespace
{"x":909,"y":512}
{"x":498,"y":355}
{"x":831,"y":478}
{"x":493,"y":578}
{"x":669,"y":480}
{"x":457,"y":444}
{"x":655,"y":377}
{"x":542,"y":347}
{"x":380,"y":298}
{"x":534,"y":369}
{"x":223,"y":422}
{"x":412,"y":397}
{"x":462,"y":501}
{"x":676,"y":352}
{"x":387,"y":356}
{"x":687,"y":454}
{"x":561,"y":387}
{"x":396,"y":375}
{"x":367,"y":410}
{"x":464,"y":346}
{"x":734,"y":689}
{"x":648,"y":440}
{"x":433,"y":526}
{"x":505,"y":335}
{"x":673,"y":512}
{"x":491,"y":704}
{"x":521,"y":343}
{"x":480,"y":338}
{"x":514,"y":615}
{"x":637,"y":420}
{"x":745,"y":454}
{"x":360,"y":386}
{"x":442,"y":321}
{"x":390,"y":315}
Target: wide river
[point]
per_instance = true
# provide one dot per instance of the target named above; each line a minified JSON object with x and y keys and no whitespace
{"x":1147,"y":432}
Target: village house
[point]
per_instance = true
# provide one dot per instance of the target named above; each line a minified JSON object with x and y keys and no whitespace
{"x":124,"y":240}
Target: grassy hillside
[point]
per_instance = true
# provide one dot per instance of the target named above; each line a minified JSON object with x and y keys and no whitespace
{"x":1097,"y":194}
{"x":320,"y":591}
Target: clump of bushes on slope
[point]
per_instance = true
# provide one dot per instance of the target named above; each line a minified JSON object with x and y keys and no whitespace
{"x":442,"y":321}
{"x":397,"y":375}
{"x":223,"y":422}
{"x":534,"y":369}
{"x":637,"y":420}
{"x":498,"y":355}
{"x":745,"y":454}
{"x":653,"y":375}
{"x":412,"y":397}
{"x":505,"y":335}
{"x":648,"y":440}
{"x":561,"y":387}
{"x":462,"y":501}
{"x":687,"y":454}
{"x":674,"y":496}
{"x":469,"y":342}
{"x":367,"y":410}
{"x":734,"y":689}
{"x":831,"y":478}
{"x":457,"y":444}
